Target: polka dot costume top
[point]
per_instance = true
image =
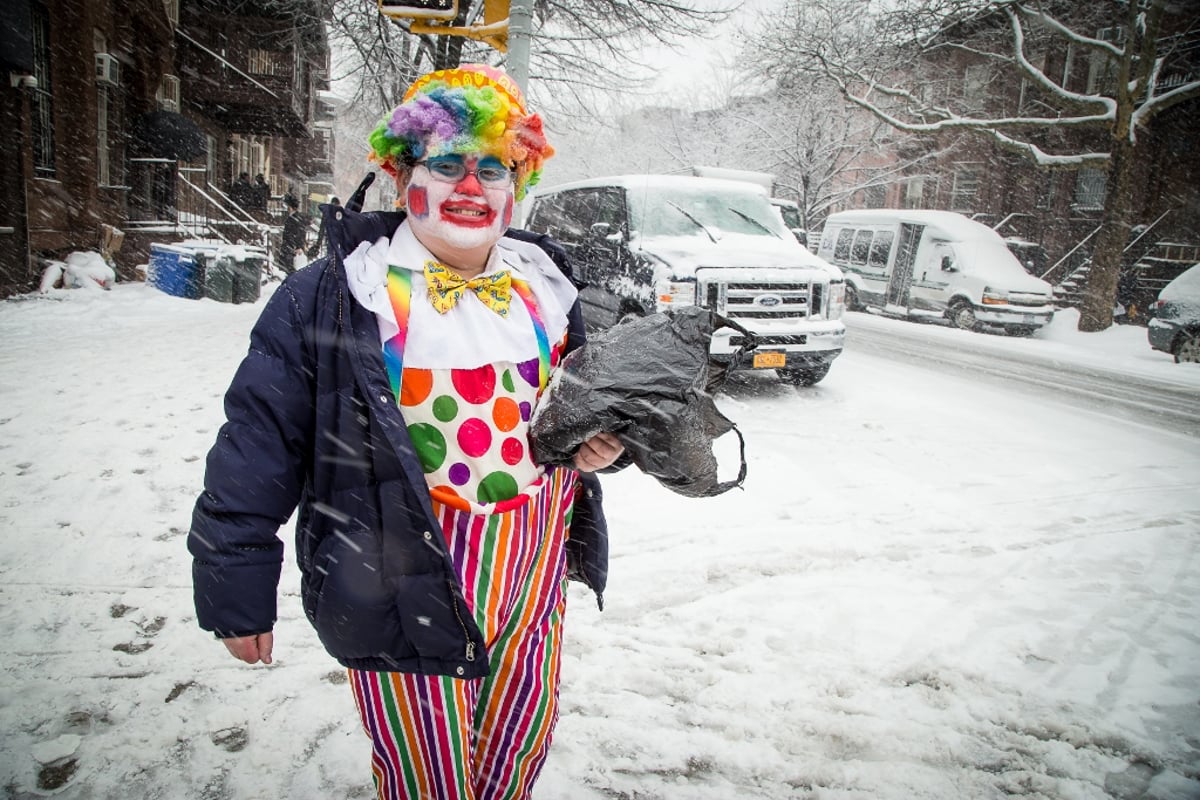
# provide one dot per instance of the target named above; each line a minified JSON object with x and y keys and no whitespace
{"x":470,"y":377}
{"x":470,"y":429}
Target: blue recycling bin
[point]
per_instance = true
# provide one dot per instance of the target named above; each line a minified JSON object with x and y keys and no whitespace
{"x":174,"y":271}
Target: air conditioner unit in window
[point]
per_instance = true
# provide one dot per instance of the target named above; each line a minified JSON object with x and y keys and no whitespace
{"x":108,"y":70}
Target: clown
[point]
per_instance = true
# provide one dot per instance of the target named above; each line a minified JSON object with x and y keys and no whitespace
{"x":388,"y":394}
{"x":462,"y":149}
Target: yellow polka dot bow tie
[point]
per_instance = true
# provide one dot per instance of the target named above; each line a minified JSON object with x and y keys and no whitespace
{"x":446,"y":288}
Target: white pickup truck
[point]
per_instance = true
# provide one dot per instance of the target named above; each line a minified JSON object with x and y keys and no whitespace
{"x":646,"y":243}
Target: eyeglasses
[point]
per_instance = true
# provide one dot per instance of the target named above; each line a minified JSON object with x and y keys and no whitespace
{"x":452,"y":170}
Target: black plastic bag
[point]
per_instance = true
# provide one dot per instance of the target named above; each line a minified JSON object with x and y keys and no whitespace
{"x":650,"y":382}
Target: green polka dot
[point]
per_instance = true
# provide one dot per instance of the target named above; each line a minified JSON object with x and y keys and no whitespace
{"x":430,"y":445}
{"x":507,"y":381}
{"x":445,"y":408}
{"x":496,"y":487}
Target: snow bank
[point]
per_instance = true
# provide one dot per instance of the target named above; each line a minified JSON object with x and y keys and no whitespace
{"x":82,"y":270}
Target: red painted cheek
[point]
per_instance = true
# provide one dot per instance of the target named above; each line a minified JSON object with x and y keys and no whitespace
{"x":418,"y":201}
{"x":508,"y":211}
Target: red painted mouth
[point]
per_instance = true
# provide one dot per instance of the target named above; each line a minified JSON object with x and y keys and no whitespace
{"x":466,"y":214}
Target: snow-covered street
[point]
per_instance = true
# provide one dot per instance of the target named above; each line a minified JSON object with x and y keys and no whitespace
{"x":930,"y":587}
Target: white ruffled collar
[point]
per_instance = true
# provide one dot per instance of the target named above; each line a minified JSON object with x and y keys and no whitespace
{"x":366,"y":271}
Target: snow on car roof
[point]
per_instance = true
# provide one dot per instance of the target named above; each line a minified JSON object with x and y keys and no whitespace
{"x":656,"y":181}
{"x":956,"y":226}
{"x":1185,"y":285}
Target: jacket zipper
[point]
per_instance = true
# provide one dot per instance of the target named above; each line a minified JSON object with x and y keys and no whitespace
{"x":463,"y":625}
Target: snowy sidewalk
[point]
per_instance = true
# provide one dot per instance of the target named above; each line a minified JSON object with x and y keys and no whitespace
{"x":875,"y":616}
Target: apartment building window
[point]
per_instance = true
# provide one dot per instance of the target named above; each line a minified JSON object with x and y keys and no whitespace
{"x":325,"y":144}
{"x":210,"y":158}
{"x":258,"y":159}
{"x":914,"y":193}
{"x":42,"y":100}
{"x":172,"y":9}
{"x":875,"y":197}
{"x":103,"y":173}
{"x":247,"y":154}
{"x":975,"y":81}
{"x":168,"y":93}
{"x":1048,"y":192}
{"x":965,"y":189}
{"x":1091,"y":186}
{"x":1102,"y":70}
{"x":261,"y":62}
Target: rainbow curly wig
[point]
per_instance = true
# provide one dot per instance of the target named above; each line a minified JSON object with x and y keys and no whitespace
{"x":472,"y":108}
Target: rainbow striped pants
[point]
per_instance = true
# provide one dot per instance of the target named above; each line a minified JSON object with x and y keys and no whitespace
{"x":443,"y":738}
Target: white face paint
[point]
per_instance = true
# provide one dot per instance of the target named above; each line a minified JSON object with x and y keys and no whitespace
{"x":458,"y":221}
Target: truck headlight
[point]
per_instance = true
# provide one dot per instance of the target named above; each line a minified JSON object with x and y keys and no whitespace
{"x":994,"y":297}
{"x":837,"y":301}
{"x":672,"y":294}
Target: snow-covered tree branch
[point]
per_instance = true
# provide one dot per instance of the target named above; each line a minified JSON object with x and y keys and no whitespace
{"x":888,"y":62}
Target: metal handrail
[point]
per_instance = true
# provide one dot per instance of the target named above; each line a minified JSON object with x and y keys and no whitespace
{"x":220,"y":207}
{"x":1081,"y":243}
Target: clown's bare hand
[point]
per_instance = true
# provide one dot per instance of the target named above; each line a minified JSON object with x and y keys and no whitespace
{"x":251,"y":649}
{"x":598,"y":452}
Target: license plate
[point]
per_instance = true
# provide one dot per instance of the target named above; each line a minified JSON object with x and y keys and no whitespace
{"x":1029,"y":319}
{"x":769,"y":360}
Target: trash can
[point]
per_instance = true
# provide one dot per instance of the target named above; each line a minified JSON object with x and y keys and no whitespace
{"x":247,"y":278}
{"x":218,"y":276}
{"x":173,"y":270}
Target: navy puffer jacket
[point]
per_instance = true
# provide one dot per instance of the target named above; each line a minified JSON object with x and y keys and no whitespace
{"x":311,"y":421}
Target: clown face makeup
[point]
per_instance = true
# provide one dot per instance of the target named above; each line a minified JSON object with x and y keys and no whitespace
{"x":460,"y":206}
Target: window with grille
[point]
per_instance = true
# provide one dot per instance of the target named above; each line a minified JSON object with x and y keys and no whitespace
{"x":965,"y":190}
{"x":1090,"y":189}
{"x":42,"y":100}
{"x":1102,"y":70}
{"x":172,"y":9}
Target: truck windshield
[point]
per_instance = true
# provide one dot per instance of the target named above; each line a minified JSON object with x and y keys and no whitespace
{"x":684,"y":211}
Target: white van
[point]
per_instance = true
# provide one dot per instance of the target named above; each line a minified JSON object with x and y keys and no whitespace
{"x":934,"y":262}
{"x":639,"y":244}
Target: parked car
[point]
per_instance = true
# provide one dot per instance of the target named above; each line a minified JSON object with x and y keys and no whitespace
{"x":1175,"y":326}
{"x":647,"y":243}
{"x":916,"y":263}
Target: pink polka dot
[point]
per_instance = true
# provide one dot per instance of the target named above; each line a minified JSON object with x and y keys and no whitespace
{"x":512,"y":450}
{"x":475,"y":385}
{"x":474,"y":437}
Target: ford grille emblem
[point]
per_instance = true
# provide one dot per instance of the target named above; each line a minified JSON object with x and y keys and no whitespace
{"x":768,"y":300}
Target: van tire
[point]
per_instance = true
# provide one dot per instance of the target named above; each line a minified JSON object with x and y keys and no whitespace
{"x":804,"y":376}
{"x":852,"y":301}
{"x":962,"y":315}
